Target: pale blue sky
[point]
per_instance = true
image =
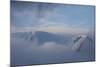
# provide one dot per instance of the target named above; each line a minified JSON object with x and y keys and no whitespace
{"x":36,"y":15}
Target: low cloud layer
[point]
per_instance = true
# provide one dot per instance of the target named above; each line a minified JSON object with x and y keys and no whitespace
{"x":24,"y":52}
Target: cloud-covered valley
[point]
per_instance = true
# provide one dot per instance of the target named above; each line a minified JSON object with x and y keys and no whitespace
{"x":27,"y":50}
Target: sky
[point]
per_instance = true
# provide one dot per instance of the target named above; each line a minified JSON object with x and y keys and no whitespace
{"x":51,"y":17}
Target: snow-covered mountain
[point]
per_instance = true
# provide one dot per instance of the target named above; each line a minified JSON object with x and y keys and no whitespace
{"x":43,"y":37}
{"x":45,"y":47}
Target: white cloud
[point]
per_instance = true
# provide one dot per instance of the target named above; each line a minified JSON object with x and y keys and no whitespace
{"x":53,"y":47}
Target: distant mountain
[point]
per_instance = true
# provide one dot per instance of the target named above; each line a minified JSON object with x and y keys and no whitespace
{"x":42,"y":37}
{"x":24,"y":35}
{"x":30,"y":47}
